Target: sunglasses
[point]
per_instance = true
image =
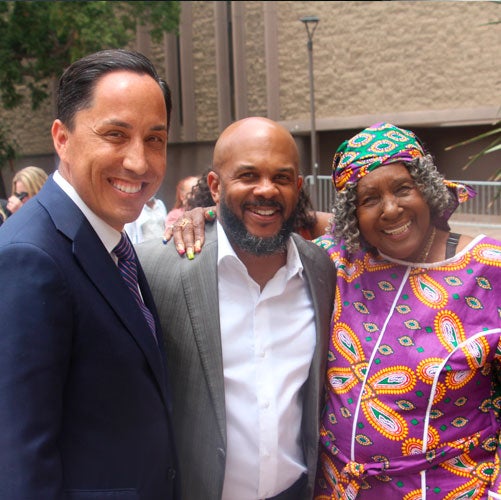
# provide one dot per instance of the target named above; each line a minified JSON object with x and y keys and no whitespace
{"x":21,"y":195}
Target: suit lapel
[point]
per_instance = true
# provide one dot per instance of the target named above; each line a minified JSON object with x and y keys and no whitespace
{"x":317,"y":285}
{"x":200,"y":286}
{"x":102,"y":271}
{"x":313,"y":388}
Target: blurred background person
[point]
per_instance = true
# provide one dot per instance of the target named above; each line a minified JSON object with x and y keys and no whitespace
{"x":25,"y":184}
{"x":182,"y":189}
{"x":3,"y":213}
{"x":310,"y":224}
{"x":199,"y":195}
{"x":150,"y":224}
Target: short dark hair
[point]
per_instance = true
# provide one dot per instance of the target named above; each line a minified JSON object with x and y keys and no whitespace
{"x":78,"y":81}
{"x":168,"y":99}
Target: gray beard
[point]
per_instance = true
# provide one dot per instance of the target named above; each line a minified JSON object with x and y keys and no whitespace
{"x":241,"y":238}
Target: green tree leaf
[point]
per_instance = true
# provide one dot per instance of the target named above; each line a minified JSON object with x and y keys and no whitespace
{"x":39,"y":39}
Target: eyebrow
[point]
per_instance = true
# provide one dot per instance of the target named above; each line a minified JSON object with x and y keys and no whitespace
{"x":119,"y":123}
{"x":253,"y":167}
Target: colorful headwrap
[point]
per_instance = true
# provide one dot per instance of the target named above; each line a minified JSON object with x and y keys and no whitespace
{"x":383,"y":144}
{"x":378,"y":145}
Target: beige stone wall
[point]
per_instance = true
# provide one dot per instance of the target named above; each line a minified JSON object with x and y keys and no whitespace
{"x":381,"y":57}
{"x":370,"y":58}
{"x":204,"y":68}
{"x":256,"y":64}
{"x":30,"y":129}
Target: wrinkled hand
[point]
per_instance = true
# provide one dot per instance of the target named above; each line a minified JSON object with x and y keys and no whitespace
{"x":189,"y":230}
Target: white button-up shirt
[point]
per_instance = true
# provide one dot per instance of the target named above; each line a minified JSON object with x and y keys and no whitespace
{"x":268,"y":340}
{"x":109,"y":236}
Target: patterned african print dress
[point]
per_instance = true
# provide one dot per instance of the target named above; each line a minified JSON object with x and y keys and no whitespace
{"x":413,"y":378}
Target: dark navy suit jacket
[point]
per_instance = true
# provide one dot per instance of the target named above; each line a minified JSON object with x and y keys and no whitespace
{"x":84,"y":401}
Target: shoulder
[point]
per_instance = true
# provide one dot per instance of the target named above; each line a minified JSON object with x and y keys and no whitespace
{"x":156,"y":256}
{"x":304,"y":244}
{"x":487,"y":240}
{"x":153,"y":252}
{"x":160,"y":204}
{"x":487,"y":250}
{"x":31,"y":225}
{"x":328,"y":244}
{"x":319,"y":270}
{"x":310,"y":250}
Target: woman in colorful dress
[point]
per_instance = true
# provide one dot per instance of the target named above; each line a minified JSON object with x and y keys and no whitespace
{"x":412,"y":386}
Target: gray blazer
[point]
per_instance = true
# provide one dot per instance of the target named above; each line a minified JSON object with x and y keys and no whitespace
{"x":186,"y":295}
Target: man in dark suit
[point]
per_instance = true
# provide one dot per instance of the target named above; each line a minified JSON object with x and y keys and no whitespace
{"x":247,"y":327}
{"x":84,"y":401}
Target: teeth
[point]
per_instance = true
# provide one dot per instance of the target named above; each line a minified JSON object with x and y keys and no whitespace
{"x":263,"y":211}
{"x":398,"y":230}
{"x":127,"y":187}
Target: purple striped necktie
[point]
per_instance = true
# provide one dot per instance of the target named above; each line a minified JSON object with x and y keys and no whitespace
{"x":127,"y":265}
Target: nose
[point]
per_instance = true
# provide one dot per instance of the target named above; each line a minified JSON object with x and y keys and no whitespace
{"x":266,"y":188}
{"x":390,"y":207}
{"x":135,"y":158}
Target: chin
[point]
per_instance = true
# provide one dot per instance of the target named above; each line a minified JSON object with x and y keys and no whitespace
{"x":261,"y":234}
{"x":126,"y":218}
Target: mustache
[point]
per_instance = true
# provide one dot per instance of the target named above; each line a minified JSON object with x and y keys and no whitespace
{"x":263,"y":203}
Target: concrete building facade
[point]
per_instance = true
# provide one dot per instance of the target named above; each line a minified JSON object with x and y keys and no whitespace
{"x":431,"y":66}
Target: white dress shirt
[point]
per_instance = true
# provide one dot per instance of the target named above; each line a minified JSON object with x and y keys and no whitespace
{"x":268,"y":340}
{"x":108,"y":235}
{"x":149,"y":225}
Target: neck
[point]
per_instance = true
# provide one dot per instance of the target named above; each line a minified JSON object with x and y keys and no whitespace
{"x":423,"y":257}
{"x":262,"y":268}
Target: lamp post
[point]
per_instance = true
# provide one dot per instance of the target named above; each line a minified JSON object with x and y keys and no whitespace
{"x":310,"y":23}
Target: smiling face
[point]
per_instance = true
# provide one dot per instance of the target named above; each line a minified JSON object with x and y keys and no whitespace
{"x":115,"y":154}
{"x":392,"y":214}
{"x":257,"y":181}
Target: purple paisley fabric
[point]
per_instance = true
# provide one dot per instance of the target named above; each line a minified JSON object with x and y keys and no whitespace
{"x":413,"y":377}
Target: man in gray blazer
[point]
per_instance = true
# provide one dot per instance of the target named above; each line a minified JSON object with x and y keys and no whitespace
{"x":246,"y":327}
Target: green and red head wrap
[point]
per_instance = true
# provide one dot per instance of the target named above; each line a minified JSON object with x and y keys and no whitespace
{"x":377,"y":145}
{"x":383,"y":144}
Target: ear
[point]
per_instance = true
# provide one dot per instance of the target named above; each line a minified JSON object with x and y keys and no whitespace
{"x":299,"y":182}
{"x":60,"y":137}
{"x":214,"y":184}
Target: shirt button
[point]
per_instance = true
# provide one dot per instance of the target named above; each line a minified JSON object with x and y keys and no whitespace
{"x":171,"y":473}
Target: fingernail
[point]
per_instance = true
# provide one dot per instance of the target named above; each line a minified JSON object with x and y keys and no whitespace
{"x":165,"y":241}
{"x":198,"y":246}
{"x":190,"y":254}
{"x":180,"y":249}
{"x":211,"y":213}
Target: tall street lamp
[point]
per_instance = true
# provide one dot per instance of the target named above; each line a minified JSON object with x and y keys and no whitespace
{"x":310,"y":23}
